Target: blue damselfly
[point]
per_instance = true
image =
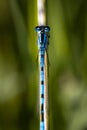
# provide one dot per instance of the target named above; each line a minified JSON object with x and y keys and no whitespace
{"x":43,"y":41}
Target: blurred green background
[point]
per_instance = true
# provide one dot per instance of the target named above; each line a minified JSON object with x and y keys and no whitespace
{"x":19,"y":67}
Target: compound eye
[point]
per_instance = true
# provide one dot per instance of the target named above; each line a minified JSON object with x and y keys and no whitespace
{"x":47,"y":28}
{"x":37,"y":28}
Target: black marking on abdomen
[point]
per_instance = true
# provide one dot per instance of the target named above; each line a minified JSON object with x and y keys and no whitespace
{"x":42,"y":112}
{"x":42,"y":55}
{"x":42,"y":95}
{"x":42,"y":82}
{"x":42,"y":68}
{"x":42,"y":107}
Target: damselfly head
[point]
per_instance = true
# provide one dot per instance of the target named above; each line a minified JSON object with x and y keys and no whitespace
{"x":42,"y":28}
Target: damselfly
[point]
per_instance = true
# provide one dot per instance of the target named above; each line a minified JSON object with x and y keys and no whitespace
{"x":43,"y":41}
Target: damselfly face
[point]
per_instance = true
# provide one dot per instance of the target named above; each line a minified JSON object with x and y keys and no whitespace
{"x":42,"y":32}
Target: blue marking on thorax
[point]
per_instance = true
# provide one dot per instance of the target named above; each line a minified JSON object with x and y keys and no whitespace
{"x":42,"y":32}
{"x":42,"y":41}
